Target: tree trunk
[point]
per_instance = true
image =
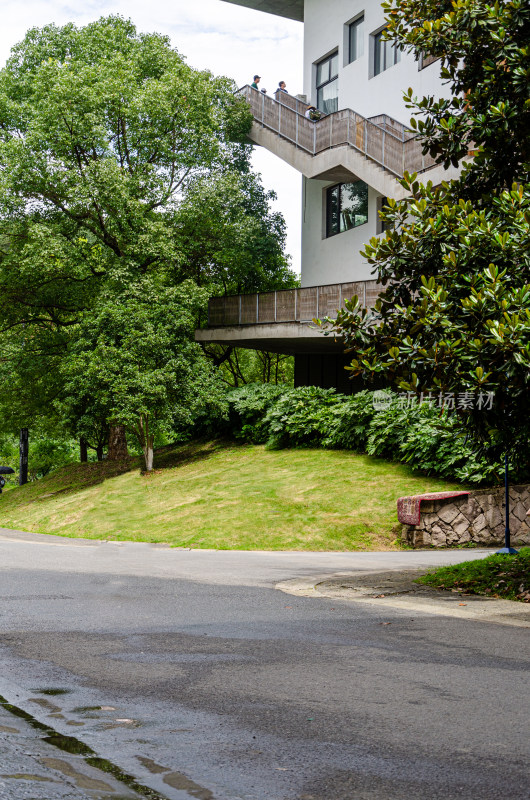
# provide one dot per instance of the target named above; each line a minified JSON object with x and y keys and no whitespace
{"x":146,"y":441}
{"x":99,"y":452}
{"x":148,"y":453}
{"x":83,"y":450}
{"x":117,"y":443}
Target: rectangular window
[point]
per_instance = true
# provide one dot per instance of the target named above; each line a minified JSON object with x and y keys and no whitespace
{"x":386,"y":53}
{"x":328,"y":84}
{"x":346,"y":207}
{"x":381,"y":225}
{"x":356,"y":40}
{"x":426,"y":60}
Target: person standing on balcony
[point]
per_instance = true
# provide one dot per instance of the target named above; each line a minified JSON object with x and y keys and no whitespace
{"x":256,"y":81}
{"x":282,"y":87}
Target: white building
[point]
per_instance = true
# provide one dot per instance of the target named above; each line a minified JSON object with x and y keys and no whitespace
{"x":351,"y":159}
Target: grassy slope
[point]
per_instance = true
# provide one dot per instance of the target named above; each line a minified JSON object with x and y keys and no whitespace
{"x":224,"y":496}
{"x":506,"y":576}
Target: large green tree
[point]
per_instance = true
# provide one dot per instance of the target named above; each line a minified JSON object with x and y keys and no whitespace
{"x":454,"y":317}
{"x":134,"y":361}
{"x":110,"y":145}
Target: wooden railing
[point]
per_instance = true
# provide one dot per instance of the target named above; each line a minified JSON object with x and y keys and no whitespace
{"x":288,"y":305}
{"x":381,"y":139}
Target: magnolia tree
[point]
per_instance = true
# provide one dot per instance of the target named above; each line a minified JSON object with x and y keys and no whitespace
{"x":454,"y":316}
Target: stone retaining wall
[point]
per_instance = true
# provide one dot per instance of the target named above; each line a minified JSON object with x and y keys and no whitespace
{"x":478,"y":519}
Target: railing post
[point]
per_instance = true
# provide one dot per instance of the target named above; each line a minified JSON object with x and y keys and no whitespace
{"x":209,"y":303}
{"x":257,"y":309}
{"x":314,"y":138}
{"x":275,"y":304}
{"x":296,"y":305}
{"x":403,"y":160}
{"x":296,"y":134}
{"x":384,"y":140}
{"x":240,"y":309}
{"x":263,"y":109}
{"x":365,"y":137}
{"x":348,"y":130}
{"x":340,"y":296}
{"x":317,"y":304}
{"x":279,"y":118}
{"x":330,"y":131}
{"x":364,"y":295}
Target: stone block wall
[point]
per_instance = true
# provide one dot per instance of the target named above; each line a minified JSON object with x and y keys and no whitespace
{"x":478,"y":519}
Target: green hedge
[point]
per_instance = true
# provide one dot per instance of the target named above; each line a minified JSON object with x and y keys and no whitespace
{"x":311,"y":417}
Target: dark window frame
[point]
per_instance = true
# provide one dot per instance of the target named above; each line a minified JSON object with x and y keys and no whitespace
{"x":355,"y":25}
{"x":381,"y":49}
{"x":333,"y":198}
{"x":426,"y":60}
{"x":381,"y":225}
{"x":330,"y":79}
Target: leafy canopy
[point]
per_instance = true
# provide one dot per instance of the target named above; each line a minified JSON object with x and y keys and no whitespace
{"x":134,"y":360}
{"x":455,"y":259}
{"x":119,"y":165}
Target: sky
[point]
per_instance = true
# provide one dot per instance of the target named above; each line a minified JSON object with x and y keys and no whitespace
{"x":211,"y":34}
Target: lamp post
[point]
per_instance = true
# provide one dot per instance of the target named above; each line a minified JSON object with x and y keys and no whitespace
{"x":507,"y":544}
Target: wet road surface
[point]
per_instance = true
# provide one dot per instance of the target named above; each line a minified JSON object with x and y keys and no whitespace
{"x":191,"y":673}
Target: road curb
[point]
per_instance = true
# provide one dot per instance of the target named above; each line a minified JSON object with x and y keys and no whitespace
{"x":396,"y":589}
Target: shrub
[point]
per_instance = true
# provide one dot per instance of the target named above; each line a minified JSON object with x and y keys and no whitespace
{"x":301,"y":417}
{"x":312,"y":417}
{"x":350,"y":422}
{"x":389,"y":428}
{"x":439,"y":445}
{"x":248,"y":406}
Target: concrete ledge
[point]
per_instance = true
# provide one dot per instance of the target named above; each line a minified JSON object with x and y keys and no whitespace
{"x":292,"y":9}
{"x":280,"y":337}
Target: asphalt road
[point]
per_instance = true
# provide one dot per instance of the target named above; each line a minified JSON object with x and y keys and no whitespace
{"x":193,"y":674}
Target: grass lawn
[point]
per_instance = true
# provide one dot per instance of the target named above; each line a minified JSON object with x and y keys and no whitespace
{"x":506,"y":576}
{"x":225,"y":496}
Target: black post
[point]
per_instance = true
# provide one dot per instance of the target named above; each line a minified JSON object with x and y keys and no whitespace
{"x":507,"y":544}
{"x":24,"y":441}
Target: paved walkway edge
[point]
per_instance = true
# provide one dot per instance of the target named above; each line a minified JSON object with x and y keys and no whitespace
{"x":351,"y":587}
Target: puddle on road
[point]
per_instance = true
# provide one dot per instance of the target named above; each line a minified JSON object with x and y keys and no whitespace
{"x":89,"y":709}
{"x":26,"y":776}
{"x":152,"y":766}
{"x":82,"y":781}
{"x":179,"y":781}
{"x":41,"y":701}
{"x":69,"y":744}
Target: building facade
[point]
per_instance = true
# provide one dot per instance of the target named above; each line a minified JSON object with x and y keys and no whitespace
{"x":351,"y":159}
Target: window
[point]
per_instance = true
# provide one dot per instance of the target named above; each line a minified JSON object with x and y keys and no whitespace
{"x":346,"y":207}
{"x":381,"y":226}
{"x":328,"y":84}
{"x":356,"y":40}
{"x":426,"y":60}
{"x":386,"y":53}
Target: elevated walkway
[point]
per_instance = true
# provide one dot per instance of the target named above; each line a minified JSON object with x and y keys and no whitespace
{"x":281,"y":321}
{"x":342,"y":146}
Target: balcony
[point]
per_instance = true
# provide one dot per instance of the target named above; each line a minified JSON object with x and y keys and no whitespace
{"x":342,"y":146}
{"x":280,"y":321}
